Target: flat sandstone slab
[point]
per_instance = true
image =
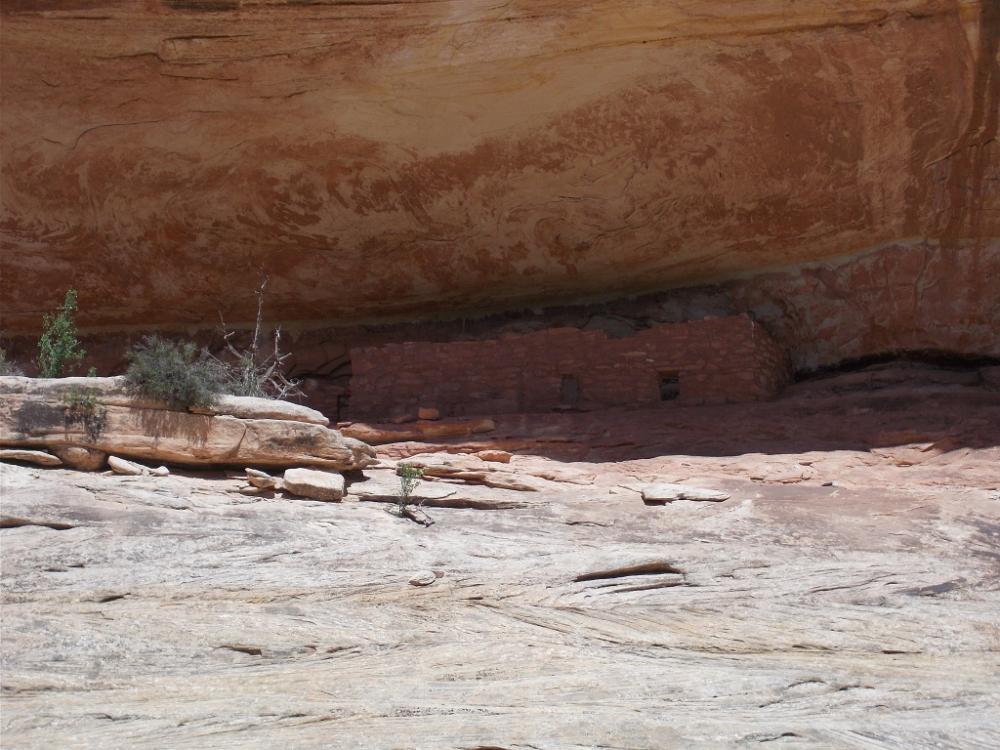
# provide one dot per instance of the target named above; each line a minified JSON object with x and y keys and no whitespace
{"x":35,"y":413}
{"x":662,"y":493}
{"x":41,"y":458}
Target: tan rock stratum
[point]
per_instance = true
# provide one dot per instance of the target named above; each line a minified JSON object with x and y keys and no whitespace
{"x":79,"y":419}
{"x":406,"y":159}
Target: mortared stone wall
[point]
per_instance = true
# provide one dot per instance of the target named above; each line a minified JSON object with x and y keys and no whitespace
{"x":714,"y":360}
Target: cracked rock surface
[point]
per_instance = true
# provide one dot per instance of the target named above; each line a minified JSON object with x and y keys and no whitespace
{"x":853,"y":605}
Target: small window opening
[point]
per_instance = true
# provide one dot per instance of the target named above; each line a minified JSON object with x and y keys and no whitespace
{"x":569,"y":390}
{"x":670,"y":386}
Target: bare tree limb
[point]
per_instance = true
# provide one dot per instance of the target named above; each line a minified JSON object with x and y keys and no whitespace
{"x":253,"y":373}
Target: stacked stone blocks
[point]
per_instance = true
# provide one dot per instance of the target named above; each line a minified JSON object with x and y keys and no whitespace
{"x":715,"y":360}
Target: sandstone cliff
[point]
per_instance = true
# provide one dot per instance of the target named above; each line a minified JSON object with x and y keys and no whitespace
{"x":411,"y":159}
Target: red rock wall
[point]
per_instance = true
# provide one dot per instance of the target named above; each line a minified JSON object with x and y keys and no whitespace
{"x":903,"y":297}
{"x":717,"y":360}
{"x":401,"y":160}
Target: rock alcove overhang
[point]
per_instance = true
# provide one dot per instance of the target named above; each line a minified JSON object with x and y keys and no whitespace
{"x":830,"y":163}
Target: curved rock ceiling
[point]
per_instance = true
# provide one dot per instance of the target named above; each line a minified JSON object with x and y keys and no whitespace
{"x":403,"y":160}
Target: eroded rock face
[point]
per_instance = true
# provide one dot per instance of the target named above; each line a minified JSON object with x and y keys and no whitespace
{"x":83,"y":418}
{"x":415,"y":158}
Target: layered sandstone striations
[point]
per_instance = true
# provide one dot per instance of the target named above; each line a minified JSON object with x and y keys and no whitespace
{"x":411,"y":159}
{"x":82,"y":420}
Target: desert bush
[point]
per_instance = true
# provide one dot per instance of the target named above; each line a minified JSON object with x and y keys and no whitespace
{"x":176,"y":373}
{"x":81,"y":407}
{"x":58,"y":348}
{"x":409,"y":477}
{"x":256,"y":370}
{"x":6,"y":366}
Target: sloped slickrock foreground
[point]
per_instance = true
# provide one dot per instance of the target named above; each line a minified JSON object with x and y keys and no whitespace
{"x":846,"y":595}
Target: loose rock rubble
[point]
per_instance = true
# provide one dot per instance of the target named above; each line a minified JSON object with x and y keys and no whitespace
{"x":129,"y":468}
{"x":262,"y":479}
{"x":660,"y":494}
{"x":424,"y":578}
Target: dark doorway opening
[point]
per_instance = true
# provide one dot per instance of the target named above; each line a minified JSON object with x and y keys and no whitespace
{"x":343,"y":402}
{"x":670,"y":386}
{"x":569,"y":391}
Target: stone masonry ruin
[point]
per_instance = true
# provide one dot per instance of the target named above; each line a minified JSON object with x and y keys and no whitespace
{"x":714,"y":360}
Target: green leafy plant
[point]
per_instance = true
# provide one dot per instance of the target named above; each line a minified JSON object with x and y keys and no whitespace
{"x":176,"y":373}
{"x":58,"y":348}
{"x":409,"y":478}
{"x":81,"y":407}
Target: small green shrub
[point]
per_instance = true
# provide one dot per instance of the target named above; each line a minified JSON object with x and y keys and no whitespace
{"x":6,"y":366}
{"x":409,"y":477}
{"x":81,"y":407}
{"x":177,"y":373}
{"x":58,"y":348}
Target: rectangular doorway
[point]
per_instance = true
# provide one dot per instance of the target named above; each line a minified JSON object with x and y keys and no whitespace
{"x":670,"y":386}
{"x":569,"y":391}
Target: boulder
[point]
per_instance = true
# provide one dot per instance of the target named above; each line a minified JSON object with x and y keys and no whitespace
{"x":261,"y":479}
{"x":427,"y":413}
{"x":316,"y":485}
{"x":34,"y":413}
{"x":128,"y":468}
{"x":81,"y":459}
{"x":663,"y":493}
{"x":41,"y":458}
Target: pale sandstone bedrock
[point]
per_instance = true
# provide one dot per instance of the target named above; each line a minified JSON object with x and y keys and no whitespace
{"x":176,"y":612}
